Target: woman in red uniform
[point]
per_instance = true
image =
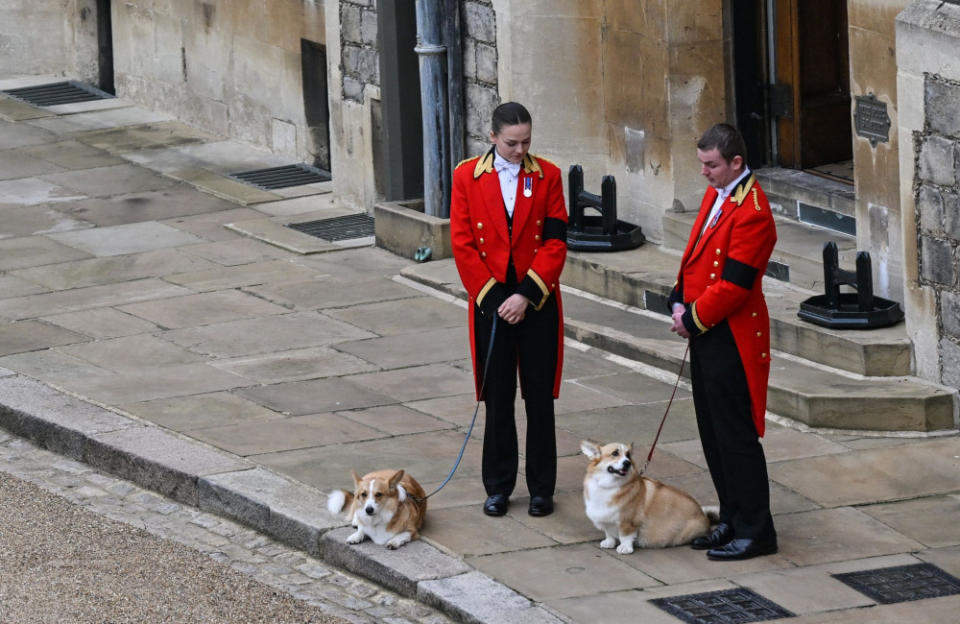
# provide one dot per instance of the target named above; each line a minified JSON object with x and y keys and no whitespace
{"x":508,"y":226}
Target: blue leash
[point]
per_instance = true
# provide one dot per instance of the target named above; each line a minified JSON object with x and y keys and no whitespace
{"x":483,"y":383}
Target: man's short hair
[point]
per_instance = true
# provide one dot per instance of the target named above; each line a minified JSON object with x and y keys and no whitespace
{"x":726,"y":139}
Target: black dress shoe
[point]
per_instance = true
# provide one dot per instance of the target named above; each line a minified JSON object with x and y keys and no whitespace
{"x":721,"y":536}
{"x":540,"y":506}
{"x":744,"y":548}
{"x":496,"y":505}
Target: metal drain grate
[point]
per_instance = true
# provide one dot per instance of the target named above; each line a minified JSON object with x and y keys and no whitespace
{"x":282,"y":177}
{"x":902,"y":583}
{"x":69,"y":92}
{"x":337,"y":228}
{"x":730,"y":606}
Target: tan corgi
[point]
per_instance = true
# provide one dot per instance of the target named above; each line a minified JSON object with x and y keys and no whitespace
{"x":635,"y":509}
{"x":387,"y":506}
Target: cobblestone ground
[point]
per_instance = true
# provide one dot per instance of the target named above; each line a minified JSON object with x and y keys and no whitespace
{"x":306,"y":579}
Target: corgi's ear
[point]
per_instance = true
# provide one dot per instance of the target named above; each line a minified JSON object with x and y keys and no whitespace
{"x":630,"y":448}
{"x":356,"y":478}
{"x":395,"y":479}
{"x":401,"y":493}
{"x":590,"y":449}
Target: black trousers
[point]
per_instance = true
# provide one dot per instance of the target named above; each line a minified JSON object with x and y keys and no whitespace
{"x":531,"y":347}
{"x":730,"y":442}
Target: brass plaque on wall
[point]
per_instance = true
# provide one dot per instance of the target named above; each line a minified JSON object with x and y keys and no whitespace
{"x":871,"y":119}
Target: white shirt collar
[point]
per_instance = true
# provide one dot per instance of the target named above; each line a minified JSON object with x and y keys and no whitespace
{"x":725,"y":191}
{"x":500,"y":164}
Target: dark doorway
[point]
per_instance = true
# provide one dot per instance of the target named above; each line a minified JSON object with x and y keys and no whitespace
{"x":313,"y":63}
{"x":105,"y":47}
{"x":402,"y":125}
{"x":792,"y":80}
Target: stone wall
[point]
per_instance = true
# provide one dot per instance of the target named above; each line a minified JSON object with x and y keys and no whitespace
{"x":479,"y":34}
{"x":54,"y":37}
{"x":360,"y":58}
{"x":928,"y":85}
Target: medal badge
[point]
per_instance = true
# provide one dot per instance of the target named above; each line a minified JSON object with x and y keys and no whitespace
{"x":528,"y":187}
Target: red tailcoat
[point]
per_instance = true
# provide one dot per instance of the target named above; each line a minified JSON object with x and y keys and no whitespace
{"x":483,"y":245}
{"x":721,"y":276}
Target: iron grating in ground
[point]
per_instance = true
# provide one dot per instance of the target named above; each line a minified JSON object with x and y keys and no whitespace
{"x":282,"y":177}
{"x":68,"y":92}
{"x":342,"y":228}
{"x":902,"y":583}
{"x":729,"y":606}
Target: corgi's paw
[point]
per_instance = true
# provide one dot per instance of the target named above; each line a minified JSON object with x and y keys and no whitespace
{"x":610,"y":542}
{"x":397,"y":542}
{"x":356,"y":538}
{"x":625,"y":548}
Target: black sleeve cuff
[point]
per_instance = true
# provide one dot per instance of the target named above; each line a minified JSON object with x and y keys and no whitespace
{"x":689,"y":323}
{"x":495,"y":296}
{"x":673,"y":299}
{"x":531,"y":290}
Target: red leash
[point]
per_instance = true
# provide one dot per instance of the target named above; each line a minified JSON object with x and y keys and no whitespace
{"x":667,"y":411}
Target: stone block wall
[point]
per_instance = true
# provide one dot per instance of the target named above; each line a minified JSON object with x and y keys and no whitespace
{"x":479,"y":34}
{"x":938,"y":214}
{"x":359,"y":56}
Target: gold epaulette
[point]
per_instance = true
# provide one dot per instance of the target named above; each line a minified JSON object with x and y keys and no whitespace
{"x":484,"y":165}
{"x":740,"y":193}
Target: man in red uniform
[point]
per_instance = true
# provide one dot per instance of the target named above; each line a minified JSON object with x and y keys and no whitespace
{"x":718,"y":304}
{"x":508,"y":227}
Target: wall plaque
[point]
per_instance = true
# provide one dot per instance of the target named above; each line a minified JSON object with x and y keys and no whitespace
{"x":871,"y":119}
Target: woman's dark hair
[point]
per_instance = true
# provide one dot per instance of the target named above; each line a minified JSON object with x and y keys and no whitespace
{"x":509,"y":114}
{"x":726,"y":139}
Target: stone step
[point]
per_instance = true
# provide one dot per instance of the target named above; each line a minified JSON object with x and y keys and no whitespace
{"x":797,"y":257}
{"x":799,"y":389}
{"x":643,"y":278}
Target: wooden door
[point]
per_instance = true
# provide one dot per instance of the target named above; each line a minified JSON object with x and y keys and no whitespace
{"x":811,"y":99}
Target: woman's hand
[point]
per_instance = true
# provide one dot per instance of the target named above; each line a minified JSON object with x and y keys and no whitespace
{"x":513,"y":309}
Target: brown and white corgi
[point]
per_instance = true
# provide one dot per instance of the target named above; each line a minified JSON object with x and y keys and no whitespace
{"x":634,"y":509}
{"x":387,"y":506}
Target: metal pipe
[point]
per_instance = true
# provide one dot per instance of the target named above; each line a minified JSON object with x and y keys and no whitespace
{"x":433,"y":101}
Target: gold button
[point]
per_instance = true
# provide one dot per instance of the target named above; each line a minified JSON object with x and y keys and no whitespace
{"x":759,"y":334}
{"x":553,"y":285}
{"x":716,"y":263}
{"x":713,"y":276}
{"x":718,"y":251}
{"x":483,"y":254}
{"x":539,"y":221}
{"x":480,"y":227}
{"x":536,"y":237}
{"x":536,"y":250}
{"x":482,"y":241}
{"x":754,"y":315}
{"x":763,"y":355}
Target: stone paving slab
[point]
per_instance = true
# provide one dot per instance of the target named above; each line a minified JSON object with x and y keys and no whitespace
{"x":156,"y":383}
{"x":33,"y":336}
{"x":162,"y":204}
{"x":331,"y":291}
{"x":294,"y":365}
{"x":411,"y":349}
{"x":70,"y":154}
{"x":33,"y":306}
{"x":930,"y":521}
{"x":141,"y":353}
{"x":220,"y":186}
{"x":33,"y":191}
{"x":16,"y":163}
{"x":33,"y":220}
{"x":253,"y":274}
{"x":126,"y":239}
{"x":203,"y":309}
{"x":472,"y":597}
{"x":15,"y":110}
{"x":280,"y":332}
{"x":200,"y":411}
{"x":151,"y":135}
{"x":293,"y":433}
{"x":51,"y":366}
{"x":110,"y":180}
{"x":401,"y":570}
{"x":112,"y":269}
{"x":562,"y":572}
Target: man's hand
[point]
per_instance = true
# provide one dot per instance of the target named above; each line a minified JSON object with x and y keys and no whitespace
{"x":513,"y":309}
{"x":678,"y":326}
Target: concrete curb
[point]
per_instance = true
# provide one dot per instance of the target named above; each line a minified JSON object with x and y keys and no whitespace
{"x":219,"y":482}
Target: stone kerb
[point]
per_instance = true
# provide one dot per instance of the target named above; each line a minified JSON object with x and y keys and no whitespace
{"x":402,"y":229}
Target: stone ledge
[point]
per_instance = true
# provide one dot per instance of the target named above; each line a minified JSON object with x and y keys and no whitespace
{"x":402,"y":229}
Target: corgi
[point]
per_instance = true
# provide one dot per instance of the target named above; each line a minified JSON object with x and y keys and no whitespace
{"x":634,"y":509}
{"x":387,"y":506}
